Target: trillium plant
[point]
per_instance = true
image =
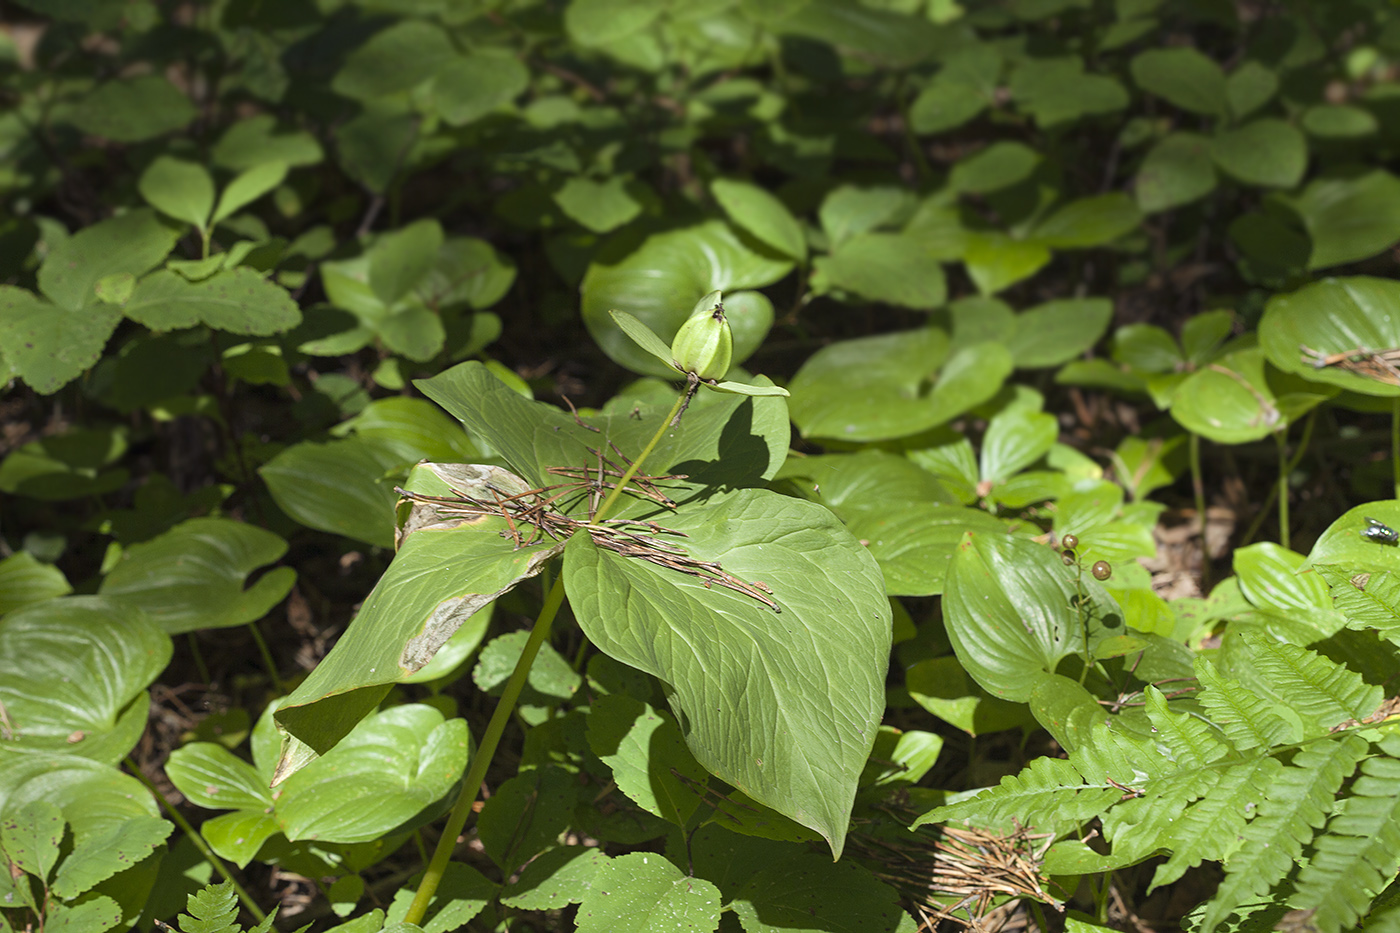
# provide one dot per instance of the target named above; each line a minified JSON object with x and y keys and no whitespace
{"x":763,"y":617}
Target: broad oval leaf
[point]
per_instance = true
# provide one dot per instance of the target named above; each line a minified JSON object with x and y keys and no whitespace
{"x":394,"y":59}
{"x":95,"y":798}
{"x":1343,"y":544}
{"x":193,"y":576}
{"x":1325,"y":331}
{"x":1176,"y":171}
{"x":783,"y":705}
{"x":1183,"y":77}
{"x":380,"y":779}
{"x":1350,"y":217}
{"x":339,"y":486}
{"x":25,"y":580}
{"x":1091,"y":221}
{"x":1009,"y":607}
{"x":761,"y":214}
{"x":913,"y":542}
{"x":1229,"y":401}
{"x":893,"y":385}
{"x":471,"y":86}
{"x":641,"y":892}
{"x":1266,"y":152}
{"x":895,"y":268}
{"x":73,"y":676}
{"x":182,"y":190}
{"x":134,"y":242}
{"x":1057,"y":331}
{"x":659,"y":279}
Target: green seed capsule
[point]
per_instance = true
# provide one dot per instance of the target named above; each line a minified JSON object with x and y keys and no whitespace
{"x":704,"y":345}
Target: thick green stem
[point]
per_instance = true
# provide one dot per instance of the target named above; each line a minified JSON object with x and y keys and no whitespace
{"x":607,"y":505}
{"x":1199,"y":488}
{"x":1395,"y":444}
{"x":491,"y":738}
{"x":199,"y":843}
{"x":1282,"y":438}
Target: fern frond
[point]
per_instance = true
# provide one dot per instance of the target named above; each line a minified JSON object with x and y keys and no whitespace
{"x":1138,"y":827}
{"x":213,"y":909}
{"x":1319,"y":689}
{"x":1297,"y":803}
{"x":1360,"y":851}
{"x":1211,"y":829}
{"x":1247,"y":720}
{"x":1047,"y":795}
{"x":1368,"y":600}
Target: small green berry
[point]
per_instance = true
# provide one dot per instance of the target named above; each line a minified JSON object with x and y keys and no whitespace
{"x":704,"y":345}
{"x":1070,"y":541}
{"x":1102,"y":570}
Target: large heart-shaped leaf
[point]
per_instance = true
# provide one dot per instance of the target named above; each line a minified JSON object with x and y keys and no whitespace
{"x":783,"y":705}
{"x":448,"y":567}
{"x":894,"y":385}
{"x":1325,"y":330}
{"x":659,"y":279}
{"x":73,"y":676}
{"x":1010,"y":609}
{"x":193,"y":576}
{"x":723,"y":439}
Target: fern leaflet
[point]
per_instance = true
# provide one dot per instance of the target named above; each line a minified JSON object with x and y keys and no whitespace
{"x":1368,"y":600}
{"x":1047,"y":795}
{"x":1361,"y":850}
{"x":1322,"y":691}
{"x":1247,"y":719}
{"x":1297,"y":803}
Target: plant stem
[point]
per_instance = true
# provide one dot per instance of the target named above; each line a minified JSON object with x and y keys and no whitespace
{"x":268,"y":663}
{"x":1395,"y":443}
{"x":1199,"y":488}
{"x":491,"y":738}
{"x":636,"y":464}
{"x":198,"y":842}
{"x":1281,"y":437}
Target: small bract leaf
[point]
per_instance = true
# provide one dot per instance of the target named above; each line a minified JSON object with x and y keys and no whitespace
{"x":643,"y":336}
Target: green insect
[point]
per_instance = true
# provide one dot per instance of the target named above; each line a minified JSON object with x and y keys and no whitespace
{"x":1380,"y":532}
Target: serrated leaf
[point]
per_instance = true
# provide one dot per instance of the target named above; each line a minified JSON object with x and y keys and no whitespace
{"x":845,"y":895}
{"x":558,"y":877}
{"x":115,"y":851}
{"x":643,"y":893}
{"x":239,"y":301}
{"x":526,"y":815}
{"x":30,"y":836}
